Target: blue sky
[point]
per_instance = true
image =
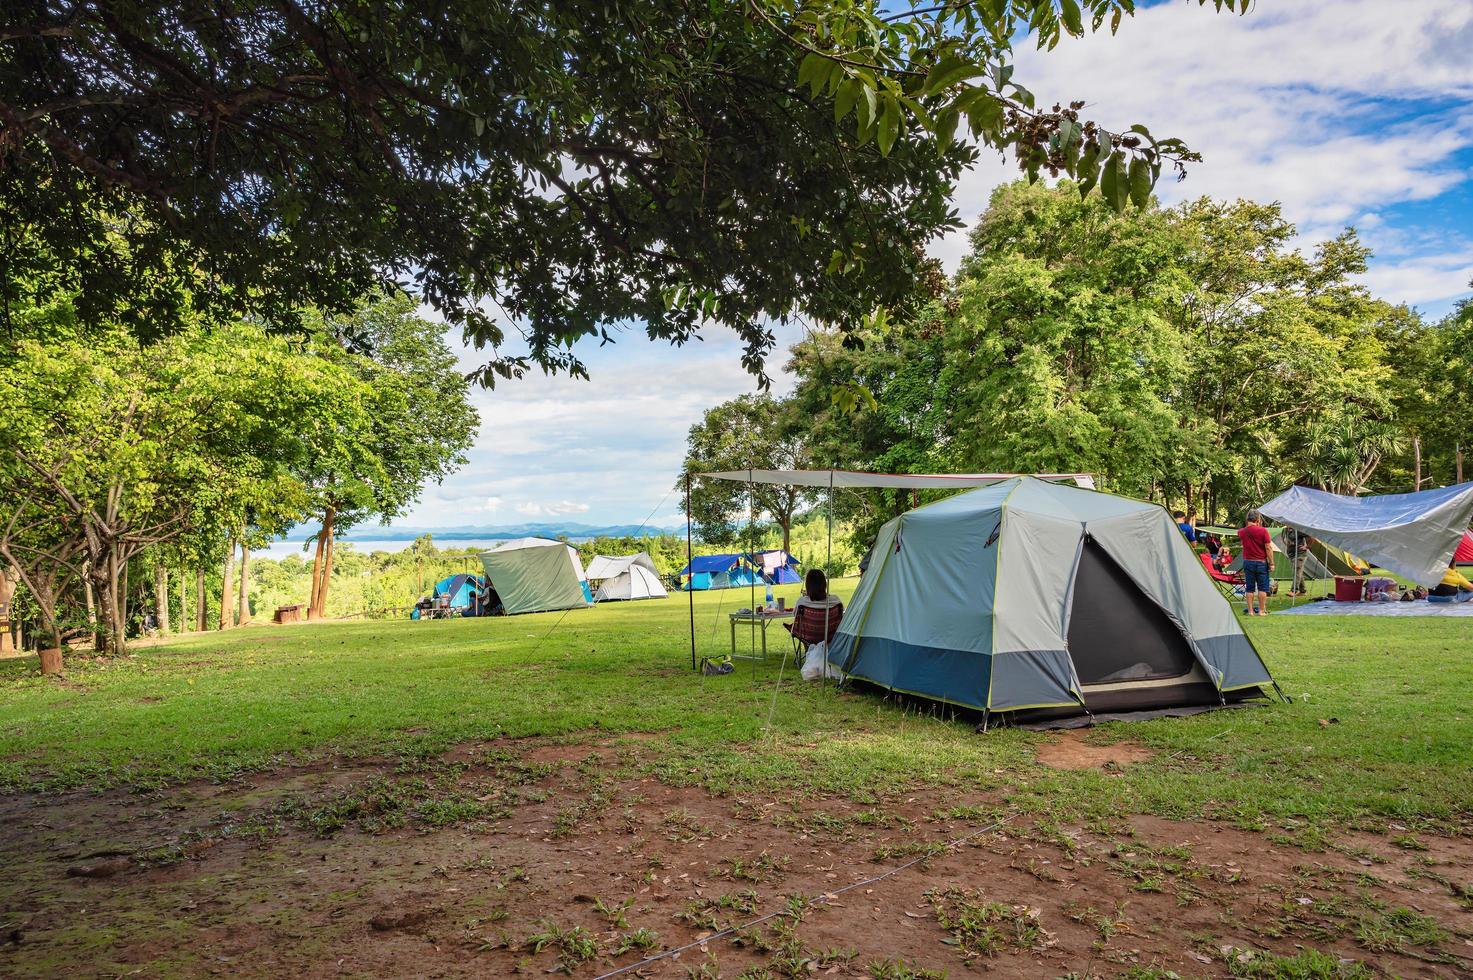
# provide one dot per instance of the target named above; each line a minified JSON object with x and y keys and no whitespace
{"x":1357,"y":112}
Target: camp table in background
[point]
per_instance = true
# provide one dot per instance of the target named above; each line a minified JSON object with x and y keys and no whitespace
{"x":762,"y":618}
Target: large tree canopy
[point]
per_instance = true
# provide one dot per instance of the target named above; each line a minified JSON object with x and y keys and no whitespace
{"x":1188,"y":354}
{"x":574,"y":166}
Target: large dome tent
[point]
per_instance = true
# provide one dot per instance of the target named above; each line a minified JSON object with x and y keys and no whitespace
{"x":1040,"y":601}
{"x":536,"y":575}
{"x":625,"y":577}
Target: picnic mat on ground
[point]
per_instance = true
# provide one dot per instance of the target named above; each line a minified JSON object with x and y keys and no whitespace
{"x":1421,"y":607}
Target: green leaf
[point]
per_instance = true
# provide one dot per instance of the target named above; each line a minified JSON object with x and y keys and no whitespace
{"x":984,"y":113}
{"x":949,"y":71}
{"x":866,"y":107}
{"x":1068,"y":133}
{"x":1069,"y":11}
{"x":946,"y":124}
{"x":1140,"y":181}
{"x":889,"y":127}
{"x":1113,"y":183}
{"x":848,"y":95}
{"x":1088,"y":168}
{"x":813,"y":71}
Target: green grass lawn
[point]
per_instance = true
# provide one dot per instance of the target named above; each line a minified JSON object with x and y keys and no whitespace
{"x":212,"y":706}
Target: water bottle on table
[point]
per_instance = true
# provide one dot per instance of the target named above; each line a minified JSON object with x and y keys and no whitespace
{"x":769,"y":595}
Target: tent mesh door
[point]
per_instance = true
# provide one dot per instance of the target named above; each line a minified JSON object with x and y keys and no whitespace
{"x":1116,"y":633}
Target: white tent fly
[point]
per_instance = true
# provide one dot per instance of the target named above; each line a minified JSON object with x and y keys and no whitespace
{"x":625,"y":577}
{"x":1411,"y":534}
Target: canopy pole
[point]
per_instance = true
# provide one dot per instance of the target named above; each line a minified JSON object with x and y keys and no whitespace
{"x":751,"y":554}
{"x":690,"y":593}
{"x":829,"y":557}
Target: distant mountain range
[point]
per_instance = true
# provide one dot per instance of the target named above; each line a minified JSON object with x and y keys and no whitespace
{"x":496,"y":531}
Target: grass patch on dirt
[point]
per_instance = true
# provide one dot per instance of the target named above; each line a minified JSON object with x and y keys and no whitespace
{"x":219,"y":706}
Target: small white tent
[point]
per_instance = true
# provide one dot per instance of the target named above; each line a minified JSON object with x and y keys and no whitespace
{"x":536,"y":574}
{"x":627,"y":577}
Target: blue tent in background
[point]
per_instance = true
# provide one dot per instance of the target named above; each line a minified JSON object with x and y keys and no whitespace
{"x":721,"y":572}
{"x":462,"y":591}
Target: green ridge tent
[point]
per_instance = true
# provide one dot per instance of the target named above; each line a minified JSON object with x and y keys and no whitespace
{"x":536,"y":574}
{"x":1043,"y":601}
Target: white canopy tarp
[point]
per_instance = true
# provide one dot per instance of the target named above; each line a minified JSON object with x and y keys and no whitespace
{"x":895,"y":481}
{"x":1411,"y":534}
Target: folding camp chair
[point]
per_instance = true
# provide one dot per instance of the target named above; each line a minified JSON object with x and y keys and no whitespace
{"x":1229,"y":584}
{"x":802,"y":634}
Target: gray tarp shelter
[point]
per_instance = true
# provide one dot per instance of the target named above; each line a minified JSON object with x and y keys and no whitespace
{"x":1047,"y":600}
{"x":1411,"y":534}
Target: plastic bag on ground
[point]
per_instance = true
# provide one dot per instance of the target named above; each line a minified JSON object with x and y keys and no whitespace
{"x":816,"y":665}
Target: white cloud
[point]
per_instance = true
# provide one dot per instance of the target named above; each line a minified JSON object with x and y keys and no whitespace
{"x":1423,"y":279}
{"x":561,"y":508}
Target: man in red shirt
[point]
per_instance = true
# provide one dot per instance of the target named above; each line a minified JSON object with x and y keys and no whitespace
{"x":1258,"y":555}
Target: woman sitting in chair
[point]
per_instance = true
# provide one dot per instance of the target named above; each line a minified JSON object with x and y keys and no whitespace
{"x":816,"y":614}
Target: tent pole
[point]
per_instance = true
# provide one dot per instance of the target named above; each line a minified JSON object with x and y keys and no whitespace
{"x":690,"y":593}
{"x":751,"y":549}
{"x":829,"y":556}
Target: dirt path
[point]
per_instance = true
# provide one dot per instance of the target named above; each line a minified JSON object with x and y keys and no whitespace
{"x":509,"y":857}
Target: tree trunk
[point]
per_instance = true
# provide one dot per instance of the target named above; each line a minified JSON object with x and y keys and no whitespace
{"x":89,"y":594}
{"x":51,"y":657}
{"x":317,"y":572}
{"x":200,"y":602}
{"x":1417,"y":458}
{"x":113,"y":601}
{"x":787,"y":534}
{"x":332,"y":547}
{"x":322,"y":566}
{"x":245,"y":565}
{"x":1458,"y":455}
{"x":183,"y":602}
{"x":124,"y":601}
{"x":227,"y":587}
{"x":161,"y":596}
{"x":9,"y":578}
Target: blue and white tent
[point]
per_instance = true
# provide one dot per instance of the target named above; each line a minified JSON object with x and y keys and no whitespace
{"x":460,"y":593}
{"x":1037,"y":597}
{"x":720,"y":572}
{"x":461,"y":589}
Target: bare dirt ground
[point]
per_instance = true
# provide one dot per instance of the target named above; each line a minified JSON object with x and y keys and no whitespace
{"x":527,"y":857}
